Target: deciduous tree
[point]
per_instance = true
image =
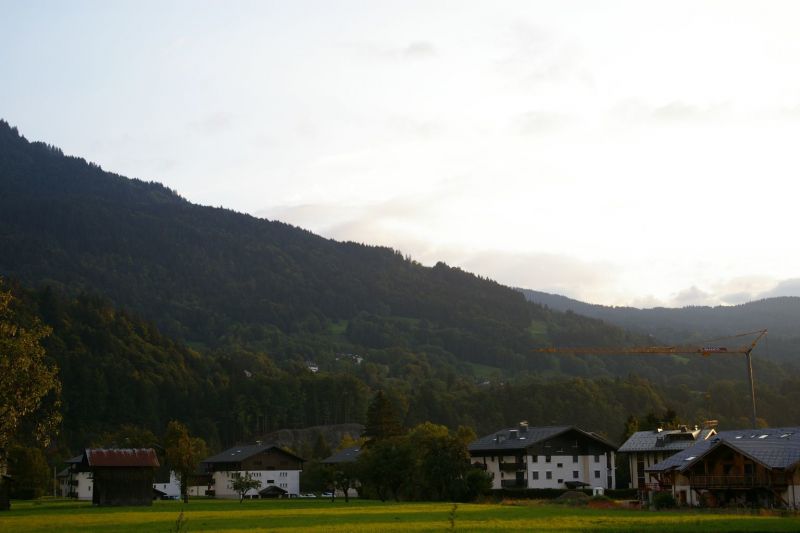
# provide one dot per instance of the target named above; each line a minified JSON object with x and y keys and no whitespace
{"x":27,"y":380}
{"x":184,"y":453}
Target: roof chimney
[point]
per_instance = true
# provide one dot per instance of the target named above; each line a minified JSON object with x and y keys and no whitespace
{"x":523,"y":426}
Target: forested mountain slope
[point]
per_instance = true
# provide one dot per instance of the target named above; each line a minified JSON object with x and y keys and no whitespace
{"x":162,"y":309}
{"x":781,"y":316}
{"x":212,"y":277}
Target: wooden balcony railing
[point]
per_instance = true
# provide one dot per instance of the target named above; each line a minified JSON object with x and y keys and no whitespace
{"x":512,"y":467}
{"x":738,"y":481}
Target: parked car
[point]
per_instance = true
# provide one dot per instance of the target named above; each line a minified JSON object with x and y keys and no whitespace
{"x":306,"y":495}
{"x":327,"y":494}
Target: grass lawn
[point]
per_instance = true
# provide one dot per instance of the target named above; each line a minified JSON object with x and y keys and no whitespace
{"x":368,"y":516}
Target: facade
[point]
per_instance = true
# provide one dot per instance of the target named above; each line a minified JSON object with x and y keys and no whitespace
{"x":75,"y":482}
{"x":553,"y":457}
{"x":277,"y":470}
{"x":168,"y":485}
{"x":756,"y":467}
{"x":647,"y":448}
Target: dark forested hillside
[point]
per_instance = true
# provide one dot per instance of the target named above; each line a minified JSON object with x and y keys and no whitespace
{"x":238,"y":326}
{"x":212,"y":277}
{"x":781,"y":316}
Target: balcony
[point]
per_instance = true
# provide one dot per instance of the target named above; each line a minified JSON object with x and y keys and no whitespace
{"x":512,"y":467}
{"x":513,"y":484}
{"x":738,"y":482}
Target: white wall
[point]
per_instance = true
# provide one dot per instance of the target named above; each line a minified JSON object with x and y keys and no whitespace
{"x":585,"y":467}
{"x":288,"y":480}
{"x":173,"y":488}
{"x":83,"y":489}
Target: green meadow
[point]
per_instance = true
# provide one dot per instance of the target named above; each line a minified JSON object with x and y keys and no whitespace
{"x":369,"y":516}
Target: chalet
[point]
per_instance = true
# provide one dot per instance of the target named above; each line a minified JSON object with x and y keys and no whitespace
{"x":277,"y":470}
{"x":553,"y":457}
{"x":647,"y":448}
{"x":759,"y":467}
{"x":118,"y":476}
{"x":74,"y":481}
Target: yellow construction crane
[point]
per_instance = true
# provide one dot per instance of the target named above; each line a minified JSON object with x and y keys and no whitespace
{"x":705,"y":349}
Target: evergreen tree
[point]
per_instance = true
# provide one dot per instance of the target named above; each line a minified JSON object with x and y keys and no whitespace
{"x":382,"y":420}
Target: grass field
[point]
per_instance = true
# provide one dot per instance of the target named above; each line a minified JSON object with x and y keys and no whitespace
{"x":368,"y":516}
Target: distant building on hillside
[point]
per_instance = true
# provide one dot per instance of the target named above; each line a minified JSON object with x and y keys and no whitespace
{"x":553,"y":457}
{"x":277,"y":470}
{"x":741,"y":467}
{"x":647,"y":448}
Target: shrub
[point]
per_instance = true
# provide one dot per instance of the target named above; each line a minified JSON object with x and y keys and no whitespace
{"x":664,"y":500}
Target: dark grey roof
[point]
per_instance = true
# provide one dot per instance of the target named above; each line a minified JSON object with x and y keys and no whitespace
{"x":669,"y":439}
{"x":240,"y":453}
{"x":348,"y":455}
{"x":503,"y":440}
{"x":772,"y":447}
{"x":74,"y":460}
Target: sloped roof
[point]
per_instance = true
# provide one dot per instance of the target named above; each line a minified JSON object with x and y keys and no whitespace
{"x":666,"y":440}
{"x":772,"y":447}
{"x":348,"y":455}
{"x":121,"y":457}
{"x":240,"y":453}
{"x":271,"y":490}
{"x":504,"y":439}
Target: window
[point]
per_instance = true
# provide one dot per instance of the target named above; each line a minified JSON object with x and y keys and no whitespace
{"x":575,"y":474}
{"x":597,"y":474}
{"x":574,"y":458}
{"x":546,"y":458}
{"x":596,"y":458}
{"x":560,"y":481}
{"x":548,"y":475}
{"x":535,"y":458}
{"x":560,"y":465}
{"x":535,"y":475}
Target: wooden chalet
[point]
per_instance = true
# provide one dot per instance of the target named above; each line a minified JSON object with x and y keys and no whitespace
{"x":755,"y":467}
{"x":120,"y":476}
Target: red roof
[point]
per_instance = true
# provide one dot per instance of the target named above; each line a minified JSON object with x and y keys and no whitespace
{"x":145,"y":457}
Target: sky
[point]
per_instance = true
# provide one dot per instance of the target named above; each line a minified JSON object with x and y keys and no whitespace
{"x":622,"y":153}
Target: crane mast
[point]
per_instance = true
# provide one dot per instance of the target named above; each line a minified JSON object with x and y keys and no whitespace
{"x":706,"y":349}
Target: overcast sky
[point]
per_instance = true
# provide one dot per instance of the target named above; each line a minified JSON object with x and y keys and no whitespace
{"x":640,"y":153}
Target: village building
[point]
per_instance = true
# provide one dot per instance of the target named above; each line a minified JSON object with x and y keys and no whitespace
{"x":647,"y":448}
{"x":343,"y":461}
{"x":277,"y":470}
{"x":754,"y":467}
{"x":74,"y":482}
{"x":117,"y":476}
{"x":552,"y":457}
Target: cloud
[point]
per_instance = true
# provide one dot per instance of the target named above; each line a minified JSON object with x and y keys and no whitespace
{"x":418,"y":50}
{"x":787,"y":287}
{"x":535,"y":55}
{"x":537,"y":122}
{"x":413,"y":51}
{"x":633,"y":110}
{"x":693,"y":296}
{"x":213,"y":123}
